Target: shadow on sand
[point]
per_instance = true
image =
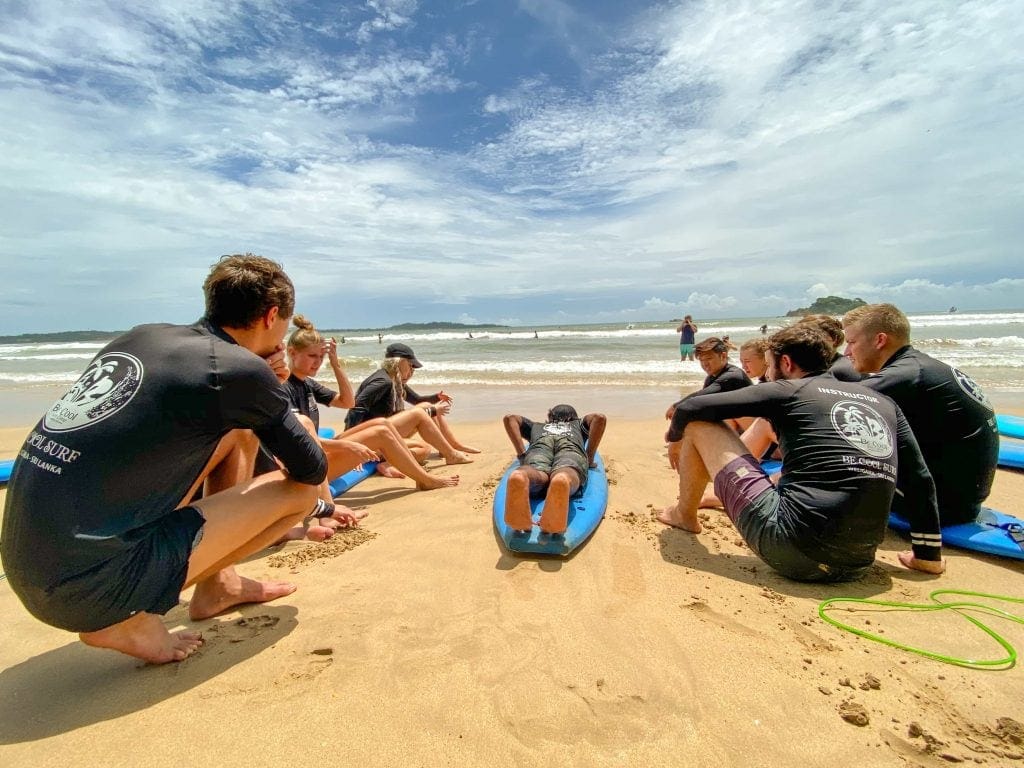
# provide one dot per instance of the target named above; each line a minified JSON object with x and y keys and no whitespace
{"x":75,"y":686}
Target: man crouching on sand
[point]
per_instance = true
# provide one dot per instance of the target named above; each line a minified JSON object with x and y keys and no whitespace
{"x":560,"y":453}
{"x":842,"y":447}
{"x":101,"y":532}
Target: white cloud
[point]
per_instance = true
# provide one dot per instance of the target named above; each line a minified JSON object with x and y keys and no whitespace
{"x":729,"y":154}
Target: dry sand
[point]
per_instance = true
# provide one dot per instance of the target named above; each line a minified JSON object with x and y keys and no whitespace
{"x":420,"y":642}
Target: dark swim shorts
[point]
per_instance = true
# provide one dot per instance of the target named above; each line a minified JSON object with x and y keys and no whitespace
{"x":553,"y":452}
{"x":149,"y":576}
{"x":753,"y":503}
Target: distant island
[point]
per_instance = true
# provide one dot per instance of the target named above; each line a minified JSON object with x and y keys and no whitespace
{"x":828,"y":305}
{"x":60,"y":337}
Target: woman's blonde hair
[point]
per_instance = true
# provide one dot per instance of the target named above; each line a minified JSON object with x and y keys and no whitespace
{"x":391,"y":366}
{"x":305,"y":334}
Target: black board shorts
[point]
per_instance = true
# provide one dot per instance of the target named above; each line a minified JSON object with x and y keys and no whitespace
{"x":148,"y":576}
{"x":553,"y":452}
{"x":752,"y":503}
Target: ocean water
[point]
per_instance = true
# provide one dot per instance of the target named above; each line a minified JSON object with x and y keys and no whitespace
{"x":988,"y":346}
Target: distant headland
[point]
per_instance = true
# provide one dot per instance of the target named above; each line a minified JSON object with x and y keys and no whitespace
{"x":828,"y":305}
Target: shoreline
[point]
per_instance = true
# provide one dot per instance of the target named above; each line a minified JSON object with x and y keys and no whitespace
{"x":22,"y":408}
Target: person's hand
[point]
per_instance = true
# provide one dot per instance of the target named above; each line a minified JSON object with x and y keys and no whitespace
{"x":444,"y":397}
{"x":443,"y":407}
{"x":331,"y":350}
{"x":278,"y":364}
{"x":934,"y":567}
{"x":674,"y":450}
{"x":357,"y":451}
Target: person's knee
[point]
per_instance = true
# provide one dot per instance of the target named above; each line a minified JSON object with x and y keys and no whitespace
{"x":306,"y":422}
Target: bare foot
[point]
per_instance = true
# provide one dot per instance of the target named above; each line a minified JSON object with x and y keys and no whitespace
{"x":314,"y":532}
{"x":227,"y":589}
{"x":671,"y":516}
{"x":145,"y":637}
{"x":458,"y":458}
{"x":934,"y":567}
{"x":555,"y":516}
{"x":433,"y":483}
{"x":466,"y":448}
{"x":386,"y":470}
{"x":517,"y":503}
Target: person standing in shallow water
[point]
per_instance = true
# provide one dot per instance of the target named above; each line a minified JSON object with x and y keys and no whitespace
{"x":102,"y":539}
{"x":688,"y":334}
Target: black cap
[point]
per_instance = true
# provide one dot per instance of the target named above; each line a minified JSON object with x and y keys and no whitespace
{"x":403,"y":350}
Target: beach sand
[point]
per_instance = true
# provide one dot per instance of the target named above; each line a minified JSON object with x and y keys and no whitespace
{"x":420,"y":642}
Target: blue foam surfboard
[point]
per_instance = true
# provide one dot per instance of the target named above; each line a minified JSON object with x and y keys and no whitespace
{"x":995,"y":533}
{"x":1011,"y":426}
{"x":1011,"y":454}
{"x":353,"y":477}
{"x":5,"y":470}
{"x":585,"y":512}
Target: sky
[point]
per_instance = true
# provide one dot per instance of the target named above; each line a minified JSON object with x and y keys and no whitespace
{"x":515,"y":162}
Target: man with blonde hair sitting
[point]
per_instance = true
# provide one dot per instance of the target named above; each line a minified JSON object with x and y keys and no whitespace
{"x":953,"y":421}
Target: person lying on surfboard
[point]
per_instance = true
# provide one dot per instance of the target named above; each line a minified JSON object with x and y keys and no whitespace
{"x":555,"y":461}
{"x":952,"y":419}
{"x":843,"y":446}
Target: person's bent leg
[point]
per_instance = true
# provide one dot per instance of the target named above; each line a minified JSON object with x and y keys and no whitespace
{"x":706,"y":448}
{"x":413,"y":420}
{"x":144,"y":635}
{"x":386,"y":441}
{"x":240,"y":521}
{"x":757,"y":438}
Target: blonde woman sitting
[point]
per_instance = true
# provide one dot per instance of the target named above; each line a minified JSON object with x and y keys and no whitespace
{"x":384,"y":393}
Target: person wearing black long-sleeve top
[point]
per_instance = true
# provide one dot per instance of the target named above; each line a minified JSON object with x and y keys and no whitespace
{"x":952,"y":419}
{"x":843,"y":447}
{"x":101,"y":529}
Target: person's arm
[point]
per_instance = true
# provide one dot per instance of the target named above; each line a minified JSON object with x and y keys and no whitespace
{"x":375,"y":397}
{"x":514,"y":428}
{"x":748,"y":401}
{"x":345,"y":398}
{"x":919,"y":500}
{"x":413,"y":398}
{"x":297,"y":450}
{"x":595,"y":424}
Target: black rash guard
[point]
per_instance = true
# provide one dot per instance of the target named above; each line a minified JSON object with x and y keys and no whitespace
{"x":305,"y":394}
{"x":842,"y":446}
{"x":375,"y":399}
{"x":954,"y":424}
{"x":572,"y":434}
{"x":728,"y":379}
{"x":121,"y":449}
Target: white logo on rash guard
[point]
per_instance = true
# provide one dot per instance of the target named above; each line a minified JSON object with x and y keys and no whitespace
{"x":557,"y":428}
{"x":967,"y":385}
{"x":863,"y":428}
{"x":107,"y":385}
